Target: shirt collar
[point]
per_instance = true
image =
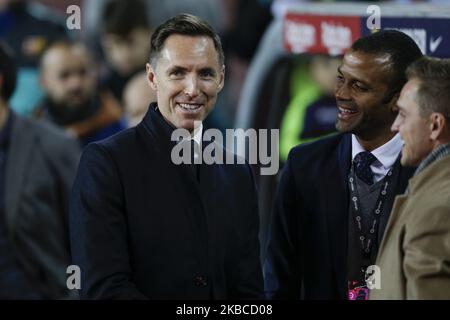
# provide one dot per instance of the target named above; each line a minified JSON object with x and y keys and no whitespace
{"x":198,"y":134}
{"x":386,"y":154}
{"x":197,"y":137}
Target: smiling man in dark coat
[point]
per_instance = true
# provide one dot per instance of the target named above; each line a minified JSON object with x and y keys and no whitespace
{"x":143,"y":227}
{"x":335,"y":194}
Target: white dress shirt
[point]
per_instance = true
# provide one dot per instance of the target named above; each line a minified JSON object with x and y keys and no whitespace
{"x":386,"y":155}
{"x":197,"y":136}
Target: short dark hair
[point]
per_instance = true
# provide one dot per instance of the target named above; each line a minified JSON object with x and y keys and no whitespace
{"x":401,"y":48}
{"x":65,"y":45}
{"x":183,"y":24}
{"x":433,"y":94}
{"x":8,"y":71}
{"x":121,"y":17}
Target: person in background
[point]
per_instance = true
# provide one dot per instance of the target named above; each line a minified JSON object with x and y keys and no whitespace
{"x":28,"y":28}
{"x":73,"y":101}
{"x":136,"y":98}
{"x":246,"y":22}
{"x":38,"y":163}
{"x":125,"y":42}
{"x":157,"y":11}
{"x":414,"y":257}
{"x":311,"y":113}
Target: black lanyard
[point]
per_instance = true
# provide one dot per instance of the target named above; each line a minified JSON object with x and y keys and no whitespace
{"x":367,"y":239}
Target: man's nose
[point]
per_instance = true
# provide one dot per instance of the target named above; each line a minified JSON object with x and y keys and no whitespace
{"x":192,"y":87}
{"x":341,"y":92}
{"x":75,"y":81}
{"x":395,"y":125}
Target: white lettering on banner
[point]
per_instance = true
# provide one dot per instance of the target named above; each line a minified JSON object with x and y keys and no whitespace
{"x":418,"y":35}
{"x":336,"y":38}
{"x":300,"y":36}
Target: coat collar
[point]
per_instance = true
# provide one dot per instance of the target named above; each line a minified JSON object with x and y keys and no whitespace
{"x":158,"y":128}
{"x":161,"y":131}
{"x":337,"y":209}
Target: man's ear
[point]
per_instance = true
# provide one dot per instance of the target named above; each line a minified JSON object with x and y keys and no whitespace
{"x":393,"y":102}
{"x":221,"y":79}
{"x":151,"y":77}
{"x":437,"y":125}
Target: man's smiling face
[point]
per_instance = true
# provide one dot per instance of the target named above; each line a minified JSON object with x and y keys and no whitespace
{"x":187,"y":77}
{"x":362,"y":87}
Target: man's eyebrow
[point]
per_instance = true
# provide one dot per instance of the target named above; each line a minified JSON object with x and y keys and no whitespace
{"x":176,"y":68}
{"x":208,"y":69}
{"x":354,"y":79}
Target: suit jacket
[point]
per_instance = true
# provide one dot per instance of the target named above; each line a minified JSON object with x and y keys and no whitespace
{"x":40,"y":169}
{"x":308,"y":245}
{"x":414,"y":257}
{"x":143,"y":227}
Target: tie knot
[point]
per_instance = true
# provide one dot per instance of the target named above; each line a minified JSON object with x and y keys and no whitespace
{"x":362,"y":161}
{"x":364,"y":158}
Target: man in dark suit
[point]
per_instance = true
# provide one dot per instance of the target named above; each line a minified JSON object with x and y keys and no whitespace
{"x":144,"y":227}
{"x":335,"y":194}
{"x":37,"y":167}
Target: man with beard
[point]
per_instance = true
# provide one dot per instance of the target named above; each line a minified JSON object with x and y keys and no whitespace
{"x":68,"y":77}
{"x":335,"y":194}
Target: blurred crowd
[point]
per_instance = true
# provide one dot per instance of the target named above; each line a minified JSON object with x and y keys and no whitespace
{"x":112,"y":48}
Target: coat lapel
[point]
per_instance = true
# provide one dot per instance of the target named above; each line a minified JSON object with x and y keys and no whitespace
{"x":405,"y":173}
{"x":337,"y":210}
{"x":398,"y":199}
{"x":394,"y":216}
{"x":22,"y":142}
{"x":401,"y":175}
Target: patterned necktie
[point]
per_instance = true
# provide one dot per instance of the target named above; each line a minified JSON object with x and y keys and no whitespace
{"x":362,"y":163}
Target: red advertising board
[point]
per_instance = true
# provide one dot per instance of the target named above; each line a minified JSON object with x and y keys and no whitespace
{"x":320,"y":34}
